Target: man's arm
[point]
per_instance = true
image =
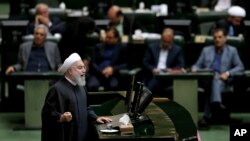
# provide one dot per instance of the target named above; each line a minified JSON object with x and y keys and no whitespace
{"x":19,"y":65}
{"x":236,"y":63}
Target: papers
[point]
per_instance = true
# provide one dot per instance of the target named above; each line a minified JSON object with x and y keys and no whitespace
{"x":146,"y":35}
{"x":109,"y":130}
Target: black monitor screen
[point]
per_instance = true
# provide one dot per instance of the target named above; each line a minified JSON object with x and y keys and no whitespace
{"x":143,"y":96}
{"x":146,"y":98}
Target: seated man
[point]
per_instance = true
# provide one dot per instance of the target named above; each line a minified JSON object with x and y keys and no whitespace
{"x":54,"y":24}
{"x":108,"y":59}
{"x":121,"y":22}
{"x":225,"y":62}
{"x":233,"y":23}
{"x":33,"y":56}
{"x":163,"y":57}
{"x":37,"y":56}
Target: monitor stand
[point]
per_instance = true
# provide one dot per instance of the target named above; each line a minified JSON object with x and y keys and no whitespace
{"x":140,"y":119}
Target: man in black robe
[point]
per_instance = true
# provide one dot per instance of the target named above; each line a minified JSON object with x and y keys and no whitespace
{"x":66,"y":113}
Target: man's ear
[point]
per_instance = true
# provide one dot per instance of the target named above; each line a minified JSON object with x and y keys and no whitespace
{"x":119,"y":13}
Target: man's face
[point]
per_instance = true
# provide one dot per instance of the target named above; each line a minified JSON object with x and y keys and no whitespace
{"x":113,"y":17}
{"x":219,"y":39}
{"x":236,"y":21}
{"x":43,"y":11}
{"x":110,"y":38}
{"x":167,"y":38}
{"x":39,"y":36}
{"x":78,"y":73}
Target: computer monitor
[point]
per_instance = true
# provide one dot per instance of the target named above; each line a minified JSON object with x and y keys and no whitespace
{"x":180,"y":26}
{"x":142,"y":97}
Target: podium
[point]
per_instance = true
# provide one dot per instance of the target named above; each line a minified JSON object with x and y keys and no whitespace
{"x":159,"y":126}
{"x":36,"y":86}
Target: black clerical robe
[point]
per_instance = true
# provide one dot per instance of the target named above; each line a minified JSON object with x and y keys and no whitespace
{"x":65,"y":97}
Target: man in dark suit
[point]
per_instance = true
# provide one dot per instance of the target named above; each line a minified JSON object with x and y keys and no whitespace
{"x":163,"y":57}
{"x":108,"y":59}
{"x":54,"y":24}
{"x":122,"y":23}
{"x":225,"y":62}
{"x":37,"y":56}
{"x":233,"y":23}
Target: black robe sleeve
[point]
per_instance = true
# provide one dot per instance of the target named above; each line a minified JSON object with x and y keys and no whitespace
{"x":91,"y":114}
{"x":51,"y":125}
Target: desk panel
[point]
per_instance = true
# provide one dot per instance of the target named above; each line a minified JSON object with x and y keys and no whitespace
{"x":36,"y":86}
{"x":185,"y":89}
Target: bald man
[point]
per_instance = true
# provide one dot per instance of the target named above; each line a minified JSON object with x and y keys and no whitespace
{"x":121,"y":22}
{"x":54,"y":24}
{"x":162,"y":57}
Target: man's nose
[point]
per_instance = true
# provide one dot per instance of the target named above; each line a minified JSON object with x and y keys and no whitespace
{"x":84,"y":70}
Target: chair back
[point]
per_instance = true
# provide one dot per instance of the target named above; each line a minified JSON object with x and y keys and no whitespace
{"x":178,"y":39}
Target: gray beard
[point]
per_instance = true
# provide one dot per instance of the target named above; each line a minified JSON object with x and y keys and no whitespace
{"x":81,"y":81}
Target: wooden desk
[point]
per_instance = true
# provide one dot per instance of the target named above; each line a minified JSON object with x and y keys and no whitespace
{"x":185,"y":89}
{"x":36,"y":86}
{"x":159,"y":127}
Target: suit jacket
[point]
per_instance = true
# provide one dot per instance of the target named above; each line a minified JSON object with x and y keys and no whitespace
{"x":127,"y":21}
{"x":230,"y":60}
{"x":118,"y":60}
{"x":57,"y":26}
{"x":51,"y":51}
{"x":223,"y":23}
{"x":175,"y":57}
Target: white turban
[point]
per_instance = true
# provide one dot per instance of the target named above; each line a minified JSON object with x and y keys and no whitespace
{"x":74,"y":57}
{"x":236,"y":11}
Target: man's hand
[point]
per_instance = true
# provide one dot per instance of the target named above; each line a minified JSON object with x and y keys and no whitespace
{"x":103,"y":120}
{"x":42,"y":20}
{"x":108,"y":71}
{"x":66,"y":117}
{"x":9,"y":70}
{"x":102,"y":36}
{"x":224,"y":76}
{"x":155,"y":71}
